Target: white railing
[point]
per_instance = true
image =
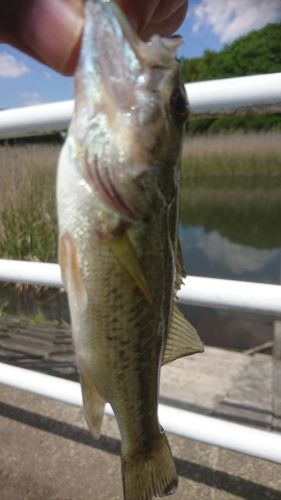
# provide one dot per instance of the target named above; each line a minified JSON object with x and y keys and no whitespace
{"x":254,"y":93}
{"x":214,"y":97}
{"x":214,"y":431}
{"x":206,"y":292}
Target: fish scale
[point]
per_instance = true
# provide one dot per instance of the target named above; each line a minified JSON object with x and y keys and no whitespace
{"x":118,"y":197}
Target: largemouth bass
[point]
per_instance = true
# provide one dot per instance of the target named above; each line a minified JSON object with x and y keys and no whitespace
{"x":118,"y":201}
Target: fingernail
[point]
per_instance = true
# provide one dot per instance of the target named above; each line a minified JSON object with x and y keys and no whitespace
{"x":53,"y":32}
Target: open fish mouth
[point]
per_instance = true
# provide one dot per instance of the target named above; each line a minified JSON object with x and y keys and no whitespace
{"x":111,"y":53}
{"x":116,"y":60}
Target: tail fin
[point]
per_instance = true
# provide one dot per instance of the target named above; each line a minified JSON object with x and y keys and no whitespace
{"x":152,"y":474}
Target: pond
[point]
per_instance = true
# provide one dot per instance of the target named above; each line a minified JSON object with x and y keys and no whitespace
{"x":231,"y":228}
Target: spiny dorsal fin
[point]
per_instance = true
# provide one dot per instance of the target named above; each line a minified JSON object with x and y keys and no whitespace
{"x":182,"y":339}
{"x":180,"y":270}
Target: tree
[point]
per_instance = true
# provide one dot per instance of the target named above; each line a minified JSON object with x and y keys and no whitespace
{"x":256,"y":53}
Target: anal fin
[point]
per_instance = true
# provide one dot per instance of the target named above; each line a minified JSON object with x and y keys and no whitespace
{"x":93,"y":402}
{"x":182,"y":340}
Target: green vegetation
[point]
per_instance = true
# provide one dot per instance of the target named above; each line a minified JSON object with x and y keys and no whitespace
{"x":27,"y":202}
{"x":38,"y":318}
{"x":256,"y":53}
{"x":232,"y":184}
{"x":233,"y":124}
{"x":228,"y":182}
{"x":235,"y":155}
{"x":3,"y":310}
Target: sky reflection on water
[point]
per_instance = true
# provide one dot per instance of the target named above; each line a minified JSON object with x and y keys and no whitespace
{"x":237,"y":238}
{"x":208,"y":253}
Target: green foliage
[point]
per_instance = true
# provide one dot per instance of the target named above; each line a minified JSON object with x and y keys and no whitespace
{"x":38,"y":318}
{"x":28,"y":229}
{"x":256,"y":53}
{"x":3,"y":309}
{"x":253,"y":123}
{"x":259,"y":52}
{"x":231,"y":183}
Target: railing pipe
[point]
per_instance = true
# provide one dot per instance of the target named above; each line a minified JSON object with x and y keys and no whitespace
{"x":35,"y":120}
{"x":255,"y":94}
{"x":206,"y":292}
{"x":258,"y":93}
{"x":30,"y":273}
{"x":210,"y":430}
{"x":230,"y":294}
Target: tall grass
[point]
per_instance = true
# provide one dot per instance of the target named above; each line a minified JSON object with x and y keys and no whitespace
{"x":27,"y":202}
{"x":28,"y":227}
{"x":252,"y":154}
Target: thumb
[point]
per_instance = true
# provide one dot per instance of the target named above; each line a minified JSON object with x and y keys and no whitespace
{"x":49,"y":31}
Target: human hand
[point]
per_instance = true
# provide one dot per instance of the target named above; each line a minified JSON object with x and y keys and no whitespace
{"x":50,"y":30}
{"x":149,"y":17}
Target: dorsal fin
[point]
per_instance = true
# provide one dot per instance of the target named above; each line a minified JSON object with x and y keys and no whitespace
{"x":180,"y":270}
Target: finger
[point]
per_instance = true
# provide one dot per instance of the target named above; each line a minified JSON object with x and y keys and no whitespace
{"x":48,"y":30}
{"x":166,"y":9}
{"x":161,"y":16}
{"x":165,"y":27}
{"x":139,"y":12}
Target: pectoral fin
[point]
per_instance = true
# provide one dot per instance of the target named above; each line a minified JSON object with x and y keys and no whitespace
{"x":182,"y":339}
{"x":126,"y":254}
{"x":70,"y":269}
{"x":93,"y":402}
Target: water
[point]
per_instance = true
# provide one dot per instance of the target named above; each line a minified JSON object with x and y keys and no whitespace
{"x":231,"y":229}
{"x":211,"y":254}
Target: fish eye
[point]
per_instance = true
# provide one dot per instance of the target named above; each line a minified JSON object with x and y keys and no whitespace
{"x":180,"y":105}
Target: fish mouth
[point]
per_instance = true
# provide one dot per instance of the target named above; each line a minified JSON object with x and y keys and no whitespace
{"x":117,"y":71}
{"x":156,"y":52}
{"x":112,"y":49}
{"x":111,"y":54}
{"x":127,"y":30}
{"x":109,"y":32}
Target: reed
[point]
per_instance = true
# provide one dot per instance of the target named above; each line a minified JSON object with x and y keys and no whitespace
{"x":27,"y":202}
{"x":28,"y":225}
{"x":252,"y":154}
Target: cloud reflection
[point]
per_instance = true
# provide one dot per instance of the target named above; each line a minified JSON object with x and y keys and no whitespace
{"x":223,"y":253}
